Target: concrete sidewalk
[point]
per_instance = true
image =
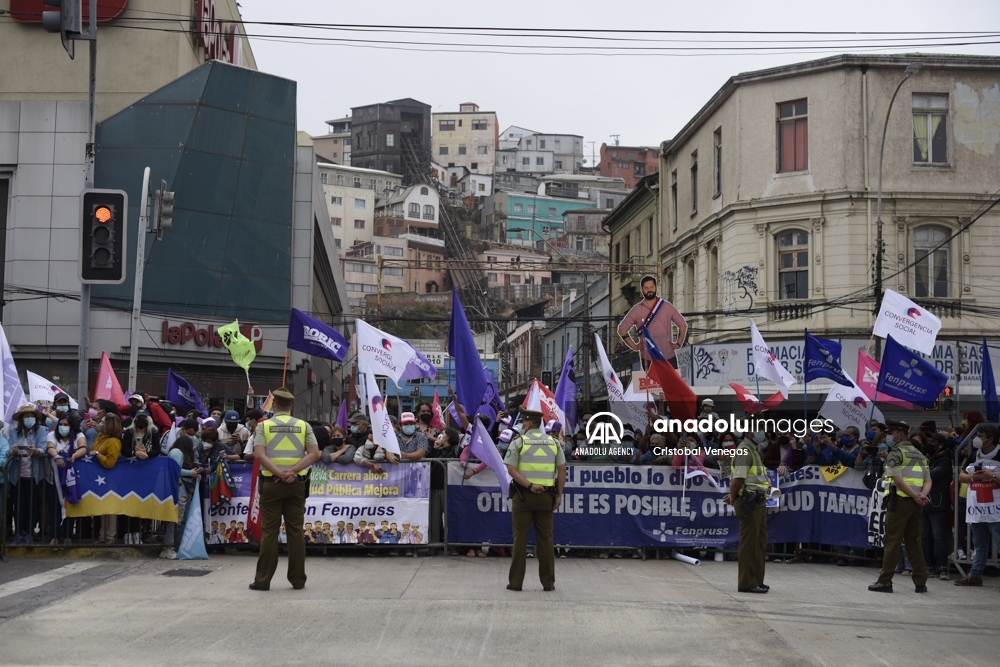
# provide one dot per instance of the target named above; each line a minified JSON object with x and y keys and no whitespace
{"x":456,"y":611}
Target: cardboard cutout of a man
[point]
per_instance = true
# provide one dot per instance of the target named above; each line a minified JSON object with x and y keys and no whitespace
{"x":658,"y":317}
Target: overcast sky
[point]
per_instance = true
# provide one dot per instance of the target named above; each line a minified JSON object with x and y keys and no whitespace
{"x":645,"y":99}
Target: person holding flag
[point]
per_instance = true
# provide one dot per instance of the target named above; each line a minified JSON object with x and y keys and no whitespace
{"x":537,"y":466}
{"x":285,"y":447}
{"x":656,"y":317}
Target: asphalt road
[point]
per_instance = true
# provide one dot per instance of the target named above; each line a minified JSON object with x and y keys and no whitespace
{"x":456,"y":611}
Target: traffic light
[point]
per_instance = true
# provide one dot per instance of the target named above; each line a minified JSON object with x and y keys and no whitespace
{"x":102,"y":236}
{"x":163,"y":210}
{"x":948,"y":399}
{"x":67,"y":20}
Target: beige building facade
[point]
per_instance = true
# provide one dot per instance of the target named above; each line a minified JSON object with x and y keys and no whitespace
{"x":768,"y":198}
{"x":467,"y":138}
{"x":352,"y":193}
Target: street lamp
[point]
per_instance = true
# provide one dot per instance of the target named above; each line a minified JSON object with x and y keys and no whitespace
{"x":911,"y":69}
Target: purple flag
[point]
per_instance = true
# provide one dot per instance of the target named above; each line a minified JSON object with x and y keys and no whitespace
{"x":10,"y":382}
{"x":470,"y":386}
{"x":482,"y":448}
{"x":181,"y":394}
{"x":566,"y":392}
{"x":419,"y":367}
{"x":342,"y":415}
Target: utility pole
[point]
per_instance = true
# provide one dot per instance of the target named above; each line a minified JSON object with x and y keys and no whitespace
{"x":140,"y":263}
{"x":615,"y":137}
{"x":593,"y":157}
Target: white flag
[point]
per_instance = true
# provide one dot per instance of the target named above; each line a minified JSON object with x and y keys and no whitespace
{"x":382,"y":432}
{"x":41,"y":389}
{"x":766,"y":365}
{"x":909,"y":324}
{"x":616,"y":392}
{"x":382,"y":353}
{"x":848,"y":406}
{"x":628,"y":405}
{"x":10,"y":383}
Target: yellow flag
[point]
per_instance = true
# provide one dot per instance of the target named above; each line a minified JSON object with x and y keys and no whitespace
{"x":240,"y":347}
{"x":831,"y":473}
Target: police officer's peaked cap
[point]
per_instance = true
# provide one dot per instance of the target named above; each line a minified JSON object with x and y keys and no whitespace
{"x":531,"y":414}
{"x":893,"y":424}
{"x":283,"y":394}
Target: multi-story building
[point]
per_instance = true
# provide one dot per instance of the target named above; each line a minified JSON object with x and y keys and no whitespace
{"x":525,"y":218}
{"x":770,"y":202}
{"x":582,"y":234}
{"x":412,"y":210}
{"x":540,"y":154}
{"x":394,"y":137}
{"x":423,"y":272}
{"x":632,"y":163}
{"x":351,"y":197}
{"x":335,"y":145}
{"x":512,"y":267}
{"x":466,"y":138}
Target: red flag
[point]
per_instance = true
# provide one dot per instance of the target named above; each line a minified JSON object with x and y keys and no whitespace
{"x":107,"y":384}
{"x":253,"y":515}
{"x":437,"y":417}
{"x":749,"y":401}
{"x":680,"y":398}
{"x":868,"y":370}
{"x":774,"y":401}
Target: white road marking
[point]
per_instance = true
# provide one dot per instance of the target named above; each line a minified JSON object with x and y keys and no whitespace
{"x":36,"y":580}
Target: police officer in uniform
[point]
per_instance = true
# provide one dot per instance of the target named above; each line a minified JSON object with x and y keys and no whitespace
{"x":537,"y":465}
{"x":285,"y":447}
{"x":748,"y":491}
{"x":908,"y":480}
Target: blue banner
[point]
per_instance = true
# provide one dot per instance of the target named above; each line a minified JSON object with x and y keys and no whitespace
{"x":650,"y":506}
{"x":823,"y":360}
{"x":309,"y":335}
{"x":907,"y":375}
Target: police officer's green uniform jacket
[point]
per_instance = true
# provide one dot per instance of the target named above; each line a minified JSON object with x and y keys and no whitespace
{"x":748,"y":465}
{"x":537,"y":457}
{"x":905,"y":460}
{"x":285,"y":442}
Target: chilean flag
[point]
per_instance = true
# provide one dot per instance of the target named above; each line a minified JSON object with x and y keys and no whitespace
{"x":680,"y":398}
{"x":750,"y":402}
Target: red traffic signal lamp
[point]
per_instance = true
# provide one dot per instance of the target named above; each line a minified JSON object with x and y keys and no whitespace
{"x":948,"y":399}
{"x":102,"y":236}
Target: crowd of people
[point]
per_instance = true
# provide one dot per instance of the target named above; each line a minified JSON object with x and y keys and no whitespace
{"x":42,"y":439}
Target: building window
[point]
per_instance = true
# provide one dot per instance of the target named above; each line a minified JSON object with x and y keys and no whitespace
{"x":670,"y":286}
{"x":793,"y":136}
{"x":713,"y":279}
{"x":390,"y":139}
{"x":337,"y":201}
{"x":552,"y":211}
{"x":515,"y":279}
{"x":413,"y":211}
{"x":526,"y":161}
{"x":359,"y":203}
{"x":359,"y":224}
{"x":614,"y":154}
{"x":540,"y":161}
{"x":361,"y":140}
{"x":518,"y":208}
{"x":424,"y":191}
{"x":323,"y":178}
{"x":581,"y":223}
{"x":478,"y":124}
{"x":694,"y":182}
{"x":396,"y":271}
{"x":340,"y":179}
{"x":930,"y":268}
{"x":531,"y":210}
{"x":357,"y":181}
{"x":483,"y":150}
{"x":541,"y":144}
{"x":461,"y":149}
{"x":428,"y":212}
{"x":446,"y":125}
{"x":336,"y":222}
{"x":373,"y":184}
{"x":689,"y":286}
{"x":492,"y":277}
{"x":442,"y":150}
{"x":482,"y":187}
{"x":474,"y":166}
{"x":793,"y":265}
{"x":629,"y":155}
{"x":336,"y":242}
{"x":393,"y":251}
{"x":528,"y":142}
{"x":673,"y":197}
{"x":717,"y":172}
{"x":649,"y":226}
{"x":930,"y":129}
{"x":557,"y":164}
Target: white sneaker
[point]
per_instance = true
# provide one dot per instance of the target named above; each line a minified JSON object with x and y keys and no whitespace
{"x":128,"y":538}
{"x":137,"y":538}
{"x":169,"y":553}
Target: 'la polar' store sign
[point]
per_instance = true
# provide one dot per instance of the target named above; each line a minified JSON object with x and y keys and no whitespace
{"x":220,"y":40}
{"x":184,"y":335}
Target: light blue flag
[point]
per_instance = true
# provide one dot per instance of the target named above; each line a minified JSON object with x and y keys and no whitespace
{"x":192,"y":546}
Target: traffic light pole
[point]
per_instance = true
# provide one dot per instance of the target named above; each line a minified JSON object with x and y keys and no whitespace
{"x":83,"y":365}
{"x":140,"y":265}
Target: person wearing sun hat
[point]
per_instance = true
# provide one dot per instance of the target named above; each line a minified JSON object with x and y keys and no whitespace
{"x":28,"y":437}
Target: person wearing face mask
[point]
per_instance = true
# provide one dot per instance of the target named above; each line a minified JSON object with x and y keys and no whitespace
{"x":106,"y":451}
{"x":253,"y":417}
{"x":358,"y":430}
{"x":340,"y":450}
{"x":983,"y":502}
{"x":413,"y":445}
{"x":425,"y":414}
{"x":909,"y":483}
{"x":935,"y":529}
{"x":657,"y":316}
{"x":27,"y":436}
{"x":65,"y":445}
{"x":61,"y":408}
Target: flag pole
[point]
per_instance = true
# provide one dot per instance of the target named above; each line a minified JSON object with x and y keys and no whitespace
{"x":805,"y":387}
{"x":284,"y":369}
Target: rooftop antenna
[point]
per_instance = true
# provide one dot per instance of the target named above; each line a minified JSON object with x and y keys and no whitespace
{"x":615,"y":137}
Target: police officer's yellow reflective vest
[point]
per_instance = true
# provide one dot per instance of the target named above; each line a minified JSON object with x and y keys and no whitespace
{"x":913,"y":464}
{"x":537,"y":458}
{"x":756,"y":479}
{"x":284,"y":442}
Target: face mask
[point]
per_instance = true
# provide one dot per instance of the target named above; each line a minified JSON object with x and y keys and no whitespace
{"x":141,"y":423}
{"x":62,"y":409}
{"x":336,"y":442}
{"x":426,"y":417}
{"x":890,"y":440}
{"x":977,"y":442}
{"x":728,"y":443}
{"x":29,"y":422}
{"x":964,"y":424}
{"x":870,"y":435}
{"x":409,"y":429}
{"x":883,"y":447}
{"x":846,"y":440}
{"x":64,"y":431}
{"x":759,"y":438}
{"x":217,"y":418}
{"x":206,"y":446}
{"x":49,"y":422}
{"x":354,"y":428}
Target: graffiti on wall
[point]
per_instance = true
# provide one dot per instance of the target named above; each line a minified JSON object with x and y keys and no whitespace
{"x":739,"y":289}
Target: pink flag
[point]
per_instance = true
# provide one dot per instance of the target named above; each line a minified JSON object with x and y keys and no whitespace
{"x":437,"y":417}
{"x":868,"y":370}
{"x":107,"y":384}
